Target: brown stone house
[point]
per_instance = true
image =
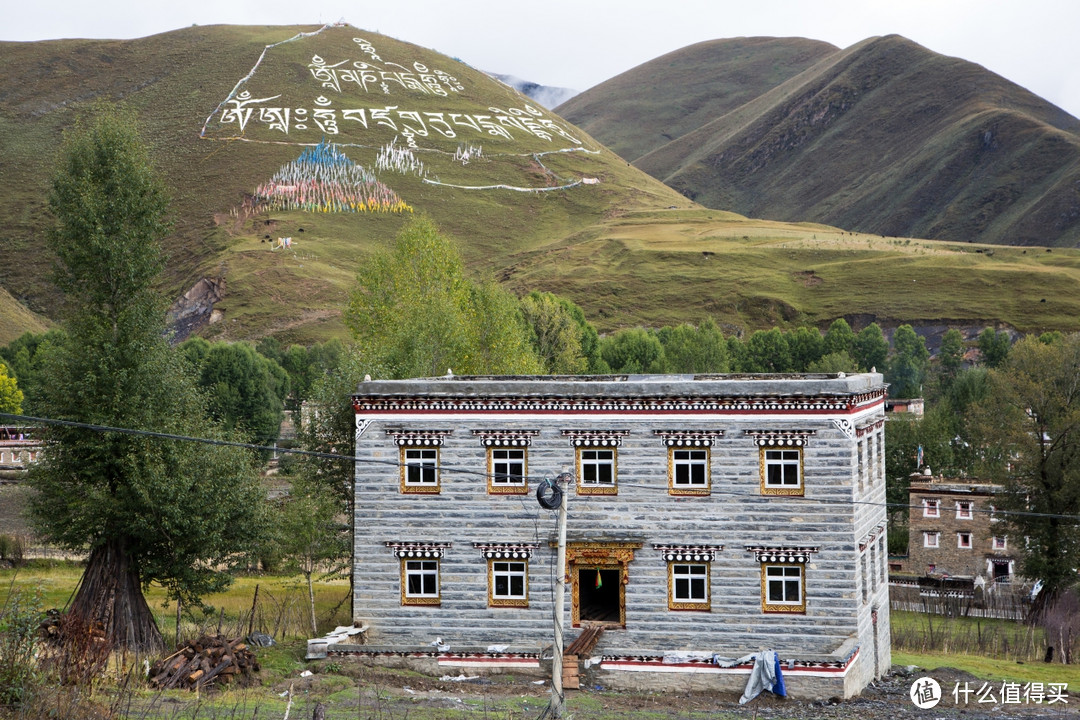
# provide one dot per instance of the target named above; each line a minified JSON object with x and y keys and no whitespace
{"x":952,"y":530}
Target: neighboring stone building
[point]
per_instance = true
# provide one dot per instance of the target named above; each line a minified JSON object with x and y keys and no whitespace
{"x":18,"y":449}
{"x":709,"y":516}
{"x":952,"y":530}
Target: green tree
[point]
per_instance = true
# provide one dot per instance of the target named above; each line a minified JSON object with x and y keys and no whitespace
{"x":951,"y":355}
{"x":1029,"y":422}
{"x":767,"y":352}
{"x":556,"y":336}
{"x":147,"y":509}
{"x":834,"y":363}
{"x":806,"y":346}
{"x":414,"y":313}
{"x":24,"y":357}
{"x":633,"y":350}
{"x":11,"y":397}
{"x":907,"y":367}
{"x":245,"y":390}
{"x":310,"y":536}
{"x":994,"y":346}
{"x":839,"y":337}
{"x":694,"y":350}
{"x":871,"y":348}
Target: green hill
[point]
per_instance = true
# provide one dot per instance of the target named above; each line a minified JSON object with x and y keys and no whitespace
{"x":659,"y":101}
{"x":884,"y":137}
{"x":293,"y":153}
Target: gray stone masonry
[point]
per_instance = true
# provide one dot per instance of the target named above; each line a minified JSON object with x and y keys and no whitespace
{"x":832,"y":424}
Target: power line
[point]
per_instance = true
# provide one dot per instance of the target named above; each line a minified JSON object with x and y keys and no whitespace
{"x":452,"y":468}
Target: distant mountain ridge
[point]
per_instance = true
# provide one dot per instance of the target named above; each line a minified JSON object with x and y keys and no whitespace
{"x":294,"y":153}
{"x":884,"y":137}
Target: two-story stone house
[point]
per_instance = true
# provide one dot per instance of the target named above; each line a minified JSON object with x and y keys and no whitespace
{"x":709,"y":517}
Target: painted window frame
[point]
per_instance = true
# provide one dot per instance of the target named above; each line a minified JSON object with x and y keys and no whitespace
{"x":597,"y":488}
{"x":931,"y":508}
{"x":766,"y":463}
{"x":508,"y":599}
{"x":931,"y":538}
{"x":965,"y":509}
{"x":1002,"y":545}
{"x":513,"y":484}
{"x":422,"y":568}
{"x":771,"y":604}
{"x":674,"y":463}
{"x":691,"y":601}
{"x":964,"y":540}
{"x":409,"y":463}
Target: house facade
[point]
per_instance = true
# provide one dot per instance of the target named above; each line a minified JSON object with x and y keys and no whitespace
{"x":952,"y":531}
{"x":709,"y":517}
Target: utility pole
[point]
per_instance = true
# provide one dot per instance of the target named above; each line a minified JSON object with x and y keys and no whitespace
{"x":557,"y":697}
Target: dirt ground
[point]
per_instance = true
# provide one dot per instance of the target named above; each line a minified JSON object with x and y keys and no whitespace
{"x":390,"y":694}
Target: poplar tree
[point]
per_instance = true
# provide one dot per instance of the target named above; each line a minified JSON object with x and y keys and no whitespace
{"x":145,"y":509}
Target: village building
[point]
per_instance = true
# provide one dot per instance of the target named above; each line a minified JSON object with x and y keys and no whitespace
{"x":952,"y":531}
{"x":709,"y":517}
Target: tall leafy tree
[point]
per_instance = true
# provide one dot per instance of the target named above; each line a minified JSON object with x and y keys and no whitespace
{"x":994,"y":346}
{"x":689,"y":349}
{"x":871,"y":348}
{"x":839,"y":337}
{"x":951,"y":355}
{"x":767,"y":351}
{"x":806,"y":346}
{"x":245,"y":390}
{"x":1030,"y":428}
{"x":11,"y":396}
{"x":556,"y":336}
{"x":414,"y":313}
{"x":147,"y":509}
{"x":633,"y":350}
{"x":907,"y":367}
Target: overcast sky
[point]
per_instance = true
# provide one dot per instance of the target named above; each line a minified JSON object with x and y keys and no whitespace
{"x":579,"y":43}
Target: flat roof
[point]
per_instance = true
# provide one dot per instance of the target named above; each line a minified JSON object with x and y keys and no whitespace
{"x":741,"y":384}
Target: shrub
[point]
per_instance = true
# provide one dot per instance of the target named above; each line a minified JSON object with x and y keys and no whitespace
{"x":19,"y":620}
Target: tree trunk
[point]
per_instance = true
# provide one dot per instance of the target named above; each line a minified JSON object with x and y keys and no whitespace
{"x":110,"y":594}
{"x":311,"y":604}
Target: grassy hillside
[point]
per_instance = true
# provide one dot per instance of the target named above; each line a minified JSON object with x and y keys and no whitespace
{"x":885,"y":137}
{"x":15,"y":319}
{"x":650,"y":105}
{"x":537,"y":202}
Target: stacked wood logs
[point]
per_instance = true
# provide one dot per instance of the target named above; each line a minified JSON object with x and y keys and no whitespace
{"x":204,"y":661}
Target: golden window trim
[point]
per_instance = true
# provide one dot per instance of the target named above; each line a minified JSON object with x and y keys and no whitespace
{"x":521,"y":488}
{"x":575,"y":593}
{"x":674,"y":489}
{"x":506,"y":602}
{"x":429,"y":600}
{"x":416,"y":488}
{"x":674,"y":604}
{"x":596,"y":489}
{"x":798,"y":491}
{"x":783,"y":608}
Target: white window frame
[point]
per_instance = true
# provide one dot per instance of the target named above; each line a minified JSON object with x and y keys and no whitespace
{"x":590,"y":459}
{"x":931,"y":508}
{"x":682,"y":579}
{"x":963,"y":540}
{"x":689,"y":462}
{"x":508,"y":570}
{"x":790,"y":575}
{"x":931,"y":539}
{"x":776,"y":464}
{"x":965,"y":510}
{"x":422,"y":462}
{"x":507,"y":474}
{"x":426,"y":571}
{"x":1002,"y":545}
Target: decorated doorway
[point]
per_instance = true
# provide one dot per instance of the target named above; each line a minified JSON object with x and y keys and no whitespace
{"x":598,"y":575}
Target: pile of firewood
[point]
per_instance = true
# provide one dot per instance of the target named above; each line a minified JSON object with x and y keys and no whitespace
{"x":203,"y":662}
